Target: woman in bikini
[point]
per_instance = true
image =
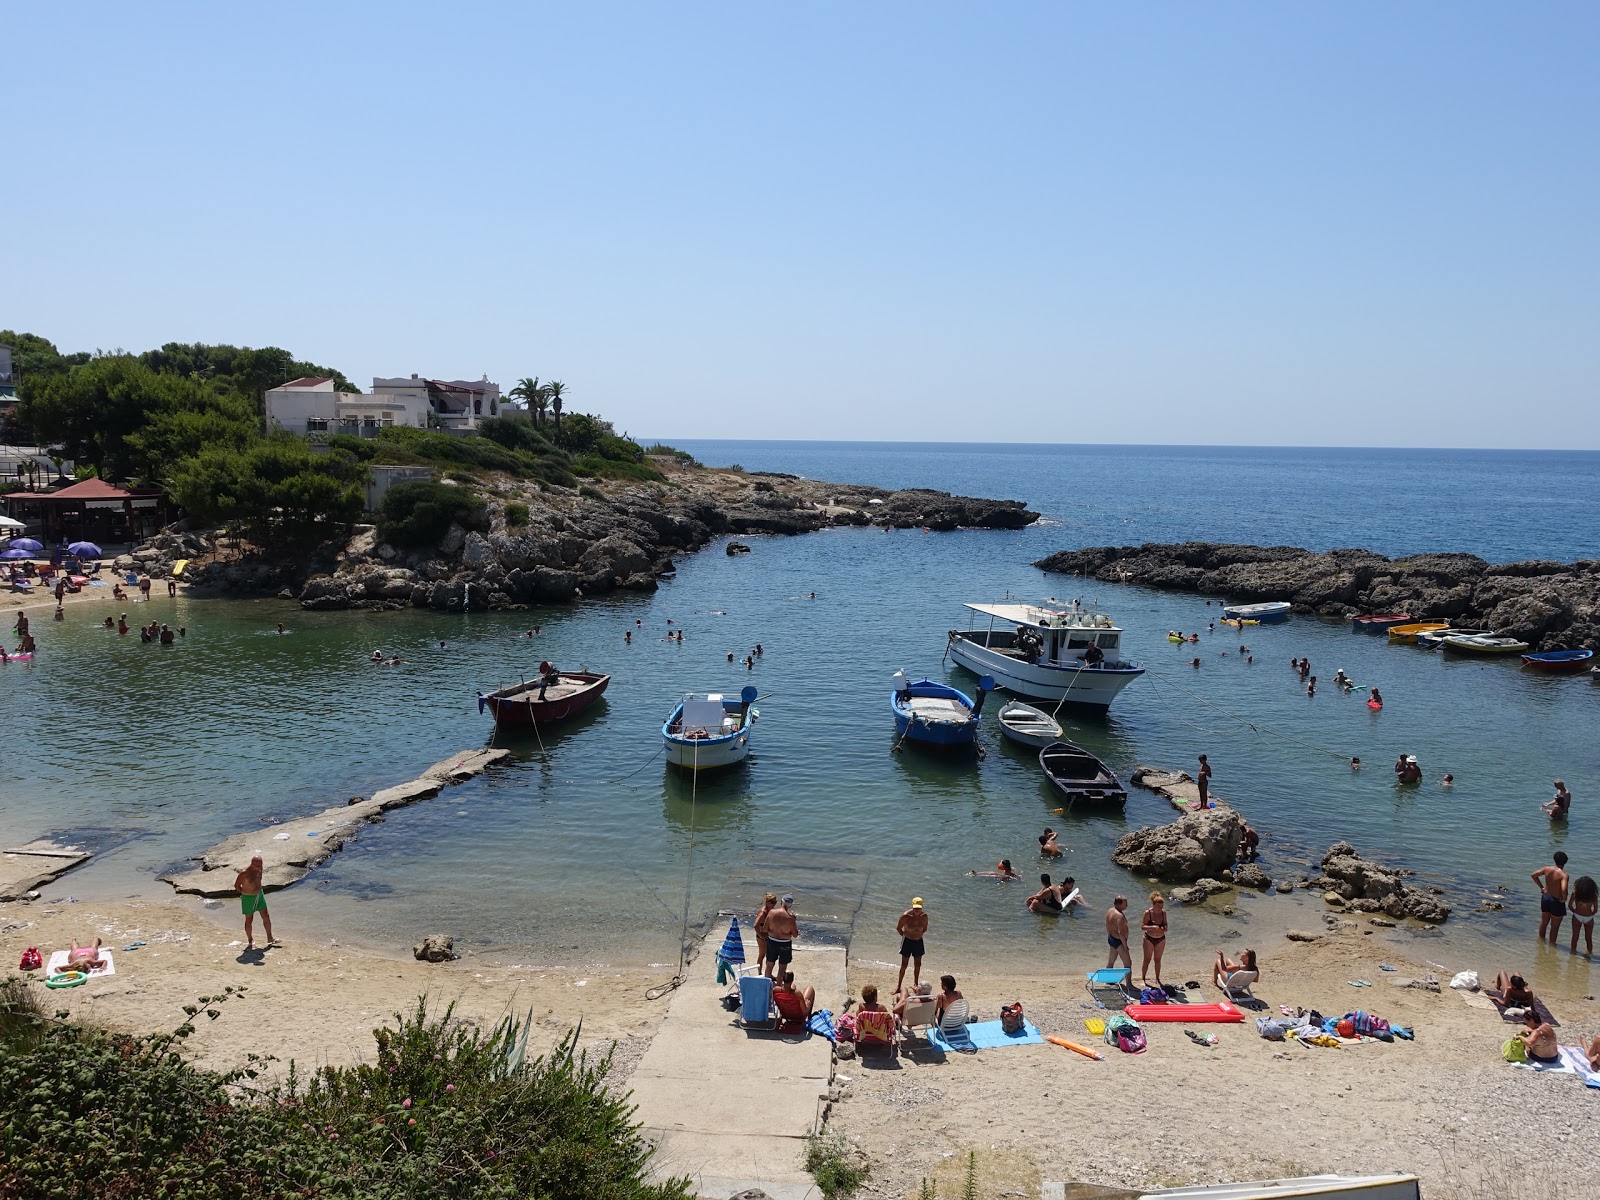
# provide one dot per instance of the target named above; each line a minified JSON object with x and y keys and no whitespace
{"x":1581,"y":907}
{"x":1154,"y":925}
{"x":768,"y":903}
{"x":1539,"y":1040}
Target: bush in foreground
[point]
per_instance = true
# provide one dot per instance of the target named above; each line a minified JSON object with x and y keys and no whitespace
{"x":446,"y":1111}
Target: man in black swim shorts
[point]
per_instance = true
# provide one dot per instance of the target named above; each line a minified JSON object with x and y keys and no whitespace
{"x":782,"y":929}
{"x":913,"y":924}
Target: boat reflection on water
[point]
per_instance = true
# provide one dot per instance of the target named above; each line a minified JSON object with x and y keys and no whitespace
{"x":530,"y":742}
{"x":708,"y":803}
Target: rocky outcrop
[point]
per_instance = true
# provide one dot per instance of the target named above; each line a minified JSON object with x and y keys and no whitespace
{"x":1201,"y":844}
{"x":435,"y":948}
{"x":1360,"y":885}
{"x":1552,"y":606}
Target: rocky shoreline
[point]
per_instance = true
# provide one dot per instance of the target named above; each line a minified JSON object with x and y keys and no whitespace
{"x":1550,"y":605}
{"x":575,"y":542}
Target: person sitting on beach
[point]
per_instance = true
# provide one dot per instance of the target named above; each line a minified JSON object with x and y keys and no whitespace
{"x":1582,"y":905}
{"x":117,"y":593}
{"x":1514,"y":990}
{"x":792,"y":1005}
{"x":84,"y":958}
{"x":1560,"y":804}
{"x":1047,"y":844}
{"x":948,"y":995}
{"x":869,"y":1026}
{"x":923,"y":991}
{"x":1047,"y":898}
{"x":1539,"y":1040}
{"x":1225,"y":967}
{"x":1593,"y":1053}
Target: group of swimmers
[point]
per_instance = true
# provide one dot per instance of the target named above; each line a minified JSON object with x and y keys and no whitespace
{"x":156,"y":631}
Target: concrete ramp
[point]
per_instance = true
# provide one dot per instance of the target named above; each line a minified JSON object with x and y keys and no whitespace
{"x":730,"y":1108}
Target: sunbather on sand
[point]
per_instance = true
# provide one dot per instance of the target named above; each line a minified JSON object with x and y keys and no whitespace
{"x":1593,"y":1053}
{"x":1225,"y":967}
{"x":84,"y":958}
{"x":1514,"y":990}
{"x":1539,"y":1039}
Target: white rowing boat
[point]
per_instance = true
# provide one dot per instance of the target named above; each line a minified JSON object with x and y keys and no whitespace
{"x":1028,"y":725}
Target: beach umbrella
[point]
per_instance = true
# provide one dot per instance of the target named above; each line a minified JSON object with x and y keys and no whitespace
{"x":14,"y":553}
{"x":84,"y":550}
{"x":10,"y":523}
{"x":733,"y":945}
{"x":27,"y":544}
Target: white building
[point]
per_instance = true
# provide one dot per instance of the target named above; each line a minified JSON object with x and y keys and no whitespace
{"x":313,"y":405}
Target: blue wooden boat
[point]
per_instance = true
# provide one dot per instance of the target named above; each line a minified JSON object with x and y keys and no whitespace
{"x":1558,"y":662}
{"x":936,"y":714}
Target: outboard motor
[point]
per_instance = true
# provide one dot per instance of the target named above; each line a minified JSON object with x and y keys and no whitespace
{"x":985,"y":686}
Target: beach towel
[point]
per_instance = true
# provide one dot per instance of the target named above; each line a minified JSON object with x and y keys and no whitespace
{"x":983,"y":1035}
{"x":58,"y":963}
{"x":1500,"y":1006}
{"x":1575,"y":1058}
{"x":822,"y":1023}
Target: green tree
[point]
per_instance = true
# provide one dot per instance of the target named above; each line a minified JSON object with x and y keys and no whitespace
{"x":277,"y":492}
{"x":419,"y":513}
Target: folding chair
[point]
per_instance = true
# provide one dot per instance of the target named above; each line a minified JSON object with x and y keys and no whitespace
{"x":875,"y":1031}
{"x":755,"y":1002}
{"x":1237,"y":985}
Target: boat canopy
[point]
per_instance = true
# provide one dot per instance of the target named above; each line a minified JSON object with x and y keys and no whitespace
{"x":1045,"y":618}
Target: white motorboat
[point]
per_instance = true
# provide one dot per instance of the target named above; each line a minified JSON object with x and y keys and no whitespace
{"x":1028,"y":725}
{"x":1396,"y":1186}
{"x":709,"y":730}
{"x":1070,"y":654}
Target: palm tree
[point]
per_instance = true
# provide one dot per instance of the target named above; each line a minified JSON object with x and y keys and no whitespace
{"x":555,"y":389}
{"x":541,"y":401}
{"x":526,"y":390}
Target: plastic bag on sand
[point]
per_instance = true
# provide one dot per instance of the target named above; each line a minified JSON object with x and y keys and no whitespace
{"x":1466,"y":981}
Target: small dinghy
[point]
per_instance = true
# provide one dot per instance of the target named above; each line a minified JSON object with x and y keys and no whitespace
{"x":936,"y":714}
{"x":1379,"y":622}
{"x":1558,"y":662}
{"x":710,"y":730}
{"x":552,"y":696}
{"x":1023,"y":723}
{"x":1406,"y":635}
{"x":1485,"y":645}
{"x":1433,"y":639}
{"x":1272,"y":610}
{"x":1081,"y":776}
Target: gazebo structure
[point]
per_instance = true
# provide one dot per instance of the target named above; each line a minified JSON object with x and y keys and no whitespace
{"x":92,"y":511}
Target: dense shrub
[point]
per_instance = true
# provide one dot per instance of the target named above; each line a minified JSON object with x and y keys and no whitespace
{"x":420,"y":512}
{"x":514,"y":431}
{"x":660,"y":449}
{"x":363,"y":448}
{"x":516,"y":515}
{"x":398,"y":444}
{"x":447,"y":1110}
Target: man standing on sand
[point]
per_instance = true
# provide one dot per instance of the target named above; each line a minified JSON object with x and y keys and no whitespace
{"x":1203,"y":781}
{"x":782,"y":929}
{"x":912,"y":925}
{"x":253,"y":900}
{"x":1552,"y":883}
{"x":1117,"y":933}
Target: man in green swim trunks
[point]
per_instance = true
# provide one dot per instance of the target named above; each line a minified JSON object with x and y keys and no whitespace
{"x":253,"y":900}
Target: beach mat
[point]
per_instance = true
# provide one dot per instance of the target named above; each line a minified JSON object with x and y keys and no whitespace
{"x":1539,"y":1007}
{"x":984,"y":1035}
{"x":1183,"y":1012}
{"x":58,"y":962}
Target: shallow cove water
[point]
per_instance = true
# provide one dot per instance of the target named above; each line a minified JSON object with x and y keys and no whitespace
{"x":579,"y":852}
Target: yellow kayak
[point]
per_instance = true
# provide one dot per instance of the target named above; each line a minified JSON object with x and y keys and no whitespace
{"x":1407,"y":634}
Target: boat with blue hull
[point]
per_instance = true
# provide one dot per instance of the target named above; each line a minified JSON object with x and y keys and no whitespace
{"x":936,"y":714}
{"x":1269,"y":612}
{"x":1068,"y":654}
{"x":1558,"y":662}
{"x":709,"y":730}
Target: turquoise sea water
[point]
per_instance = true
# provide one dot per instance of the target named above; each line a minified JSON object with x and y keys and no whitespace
{"x":580,"y":851}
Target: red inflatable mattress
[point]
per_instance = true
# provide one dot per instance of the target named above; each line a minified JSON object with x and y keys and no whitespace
{"x":1184,"y":1012}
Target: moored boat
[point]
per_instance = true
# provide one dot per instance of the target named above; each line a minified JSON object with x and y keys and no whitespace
{"x":708,"y":730}
{"x":1407,"y":634}
{"x":1484,"y":644}
{"x":1069,"y":653}
{"x":1271,"y":610}
{"x":1558,"y":662}
{"x":1028,"y":725}
{"x":936,"y":714}
{"x":1080,"y":776}
{"x":554,"y":696}
{"x":1433,"y":639}
{"x":1378,"y":622}
{"x":1395,"y":1186}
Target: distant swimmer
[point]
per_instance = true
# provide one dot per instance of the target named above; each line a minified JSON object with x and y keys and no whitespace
{"x":1311,"y":687}
{"x":377,"y":656}
{"x":1047,"y":898}
{"x":1195,"y":663}
{"x":1048,"y":845}
{"x":281,"y":629}
{"x":1355,"y":763}
{"x":627,"y":636}
{"x":1375,"y":700}
{"x":1448,"y":781}
{"x":1340,"y":678}
{"x":1560,"y":804}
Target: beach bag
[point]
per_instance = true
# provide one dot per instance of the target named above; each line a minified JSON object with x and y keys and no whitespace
{"x":1466,"y":981}
{"x":1272,"y":1029}
{"x":1153,"y":996}
{"x":1124,"y":1033}
{"x":1515,"y":1050}
{"x":1011,"y":1018}
{"x":845,"y":1027}
{"x":31,"y":959}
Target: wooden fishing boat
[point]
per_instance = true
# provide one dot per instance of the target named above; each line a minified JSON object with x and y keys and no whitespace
{"x":1049,"y":652}
{"x":708,"y":730}
{"x":1028,"y":725}
{"x":1484,"y":644}
{"x":1081,"y":777}
{"x":554,"y":697}
{"x":1406,"y":635}
{"x":1558,"y":662}
{"x":936,"y":714}
{"x":1378,"y":622}
{"x":1433,"y":639}
{"x":1271,"y":610}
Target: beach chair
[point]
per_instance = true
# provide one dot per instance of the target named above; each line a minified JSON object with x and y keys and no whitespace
{"x":1237,"y":985}
{"x":755,"y":1002}
{"x":918,"y":1014}
{"x":875,"y":1031}
{"x":792,"y":1014}
{"x":955,"y":1017}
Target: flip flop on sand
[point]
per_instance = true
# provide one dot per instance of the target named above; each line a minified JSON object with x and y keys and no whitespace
{"x":1358,"y":983}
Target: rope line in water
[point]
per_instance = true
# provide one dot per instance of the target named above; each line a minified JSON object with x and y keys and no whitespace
{"x":1253,"y":726}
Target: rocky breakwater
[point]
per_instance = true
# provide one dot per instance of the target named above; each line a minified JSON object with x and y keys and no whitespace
{"x":1550,"y":605}
{"x":583,"y":542}
{"x":1359,"y":885}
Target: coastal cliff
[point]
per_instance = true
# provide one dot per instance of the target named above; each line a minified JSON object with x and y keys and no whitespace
{"x":535,"y":545}
{"x":1550,"y":605}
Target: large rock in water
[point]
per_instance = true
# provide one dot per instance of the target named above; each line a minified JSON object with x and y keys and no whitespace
{"x":1198,"y":844}
{"x":1355,"y":879}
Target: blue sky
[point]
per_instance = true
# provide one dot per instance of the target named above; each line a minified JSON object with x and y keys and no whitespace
{"x":1250,"y":224}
